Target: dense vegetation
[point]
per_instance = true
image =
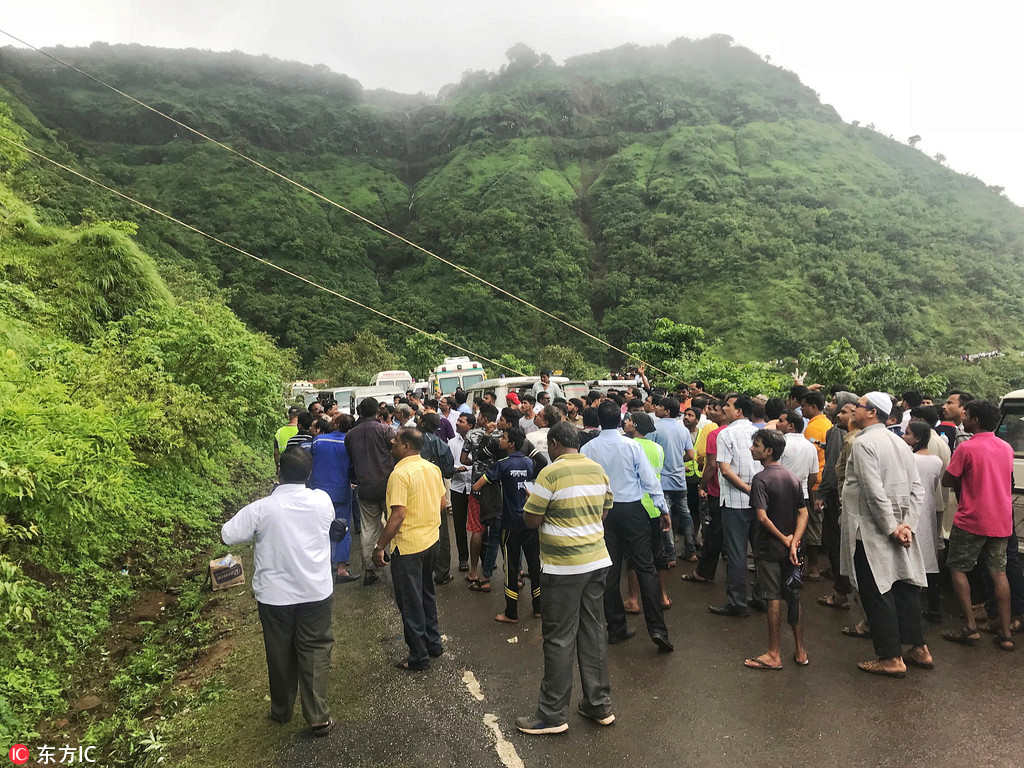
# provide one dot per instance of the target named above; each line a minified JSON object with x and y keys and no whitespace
{"x":115,"y":467}
{"x":692,"y":181}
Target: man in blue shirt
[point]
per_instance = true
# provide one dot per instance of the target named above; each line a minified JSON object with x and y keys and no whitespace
{"x":627,"y":528}
{"x":672,"y":435}
{"x":512,"y":473}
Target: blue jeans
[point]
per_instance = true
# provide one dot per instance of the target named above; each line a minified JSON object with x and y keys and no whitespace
{"x":493,"y":545}
{"x":682,"y":523}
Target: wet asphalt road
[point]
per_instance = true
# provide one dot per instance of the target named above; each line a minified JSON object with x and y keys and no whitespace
{"x":696,"y":706}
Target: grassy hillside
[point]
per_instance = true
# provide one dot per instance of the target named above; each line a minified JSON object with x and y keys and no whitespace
{"x":691,"y":181}
{"x":116,"y":376}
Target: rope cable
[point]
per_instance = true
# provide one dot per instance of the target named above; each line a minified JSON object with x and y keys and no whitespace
{"x":339,"y":206}
{"x":260,"y":259}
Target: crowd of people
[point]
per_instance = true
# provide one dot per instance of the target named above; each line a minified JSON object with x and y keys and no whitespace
{"x":889,"y":498}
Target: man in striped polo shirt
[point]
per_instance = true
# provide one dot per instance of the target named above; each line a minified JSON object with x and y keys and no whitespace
{"x":570,"y":500}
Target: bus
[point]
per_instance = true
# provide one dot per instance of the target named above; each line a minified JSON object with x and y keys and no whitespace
{"x":453,"y":373}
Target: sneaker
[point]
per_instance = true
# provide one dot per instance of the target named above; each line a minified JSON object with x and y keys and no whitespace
{"x":537,"y":727}
{"x":599,"y":719}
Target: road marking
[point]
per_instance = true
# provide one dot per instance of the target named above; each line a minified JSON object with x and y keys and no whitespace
{"x":473,"y":685}
{"x":505,"y":750}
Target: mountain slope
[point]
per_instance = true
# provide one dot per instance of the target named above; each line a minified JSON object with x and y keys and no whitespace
{"x":691,"y":181}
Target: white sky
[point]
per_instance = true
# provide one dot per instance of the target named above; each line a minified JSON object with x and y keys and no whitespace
{"x":947,"y":71}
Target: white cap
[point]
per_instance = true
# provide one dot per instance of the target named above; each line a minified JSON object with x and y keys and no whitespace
{"x":880,"y":401}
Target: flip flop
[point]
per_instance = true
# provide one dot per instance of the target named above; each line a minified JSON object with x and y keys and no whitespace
{"x":875,"y":667}
{"x":758,"y":664}
{"x":803,"y":663}
{"x":471,"y":581}
{"x":829,"y":601}
{"x":693,"y":578}
{"x":481,"y":586}
{"x":854,"y":631}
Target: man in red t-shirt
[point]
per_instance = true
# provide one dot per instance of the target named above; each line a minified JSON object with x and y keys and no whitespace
{"x":981,"y":472}
{"x":709,"y":490}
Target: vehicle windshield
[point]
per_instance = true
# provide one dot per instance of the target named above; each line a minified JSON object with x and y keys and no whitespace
{"x":1011,"y":428}
{"x":450,"y":383}
{"x":470,"y":379}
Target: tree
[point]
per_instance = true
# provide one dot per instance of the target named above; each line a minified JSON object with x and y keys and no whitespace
{"x":939,"y":157}
{"x":521,"y":56}
{"x":354,"y":363}
{"x":913,"y":140}
{"x":422,"y":354}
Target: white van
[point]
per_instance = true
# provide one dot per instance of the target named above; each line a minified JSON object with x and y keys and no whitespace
{"x":521,"y":385}
{"x":342,"y":394}
{"x":400,"y":379}
{"x":455,"y":372}
{"x":1011,"y":429}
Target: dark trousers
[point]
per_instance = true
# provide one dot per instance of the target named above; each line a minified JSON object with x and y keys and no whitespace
{"x":298,"y":640}
{"x":460,"y":511}
{"x":831,"y":533}
{"x":1015,"y":577}
{"x":443,"y":564}
{"x":895,"y":617}
{"x":627,"y":531}
{"x":736,"y":532}
{"x":572,"y":619}
{"x":693,"y":502}
{"x":414,"y":594}
{"x":512,"y":543}
{"x":707,"y":567}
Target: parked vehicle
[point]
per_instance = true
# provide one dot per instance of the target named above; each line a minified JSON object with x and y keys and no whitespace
{"x":402,"y":380}
{"x":453,"y":373}
{"x":1011,"y":429}
{"x":521,"y":385}
{"x":342,"y":394}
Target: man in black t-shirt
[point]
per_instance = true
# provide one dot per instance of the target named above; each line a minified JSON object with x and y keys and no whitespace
{"x":778,"y":500}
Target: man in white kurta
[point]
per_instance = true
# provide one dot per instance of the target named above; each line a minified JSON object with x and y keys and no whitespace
{"x":882,"y":500}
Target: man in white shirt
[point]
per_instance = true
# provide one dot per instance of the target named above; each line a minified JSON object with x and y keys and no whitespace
{"x":544,"y":420}
{"x":800,"y":456}
{"x":293,"y":585}
{"x":545,"y":385}
{"x":461,"y":486}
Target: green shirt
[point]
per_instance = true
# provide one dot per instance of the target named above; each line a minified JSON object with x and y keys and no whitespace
{"x":284,"y":434}
{"x":572,"y":494}
{"x":656,"y":455}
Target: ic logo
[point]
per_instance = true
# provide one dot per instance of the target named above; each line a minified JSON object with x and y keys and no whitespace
{"x":18,"y":754}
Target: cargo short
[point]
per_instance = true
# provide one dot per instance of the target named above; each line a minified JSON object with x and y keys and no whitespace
{"x":968,"y":549}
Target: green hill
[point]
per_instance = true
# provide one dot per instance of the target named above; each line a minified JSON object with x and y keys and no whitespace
{"x":692,"y":181}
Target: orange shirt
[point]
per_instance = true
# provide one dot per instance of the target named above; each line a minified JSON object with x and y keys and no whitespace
{"x":815,"y":431}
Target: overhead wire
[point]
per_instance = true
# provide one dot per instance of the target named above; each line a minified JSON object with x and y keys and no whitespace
{"x":260,"y":259}
{"x":339,"y":206}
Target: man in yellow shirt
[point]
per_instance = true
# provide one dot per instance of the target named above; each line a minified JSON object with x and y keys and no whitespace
{"x":415,"y":501}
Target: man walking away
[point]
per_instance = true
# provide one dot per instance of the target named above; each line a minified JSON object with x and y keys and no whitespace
{"x":570,"y":500}
{"x":460,"y":487}
{"x":777,"y":497}
{"x":292,"y":583}
{"x":415,"y":497}
{"x":627,"y":529}
{"x":882,"y":500}
{"x":981,"y":472}
{"x":369,"y":450}
{"x":285,"y":433}
{"x":673,"y":436}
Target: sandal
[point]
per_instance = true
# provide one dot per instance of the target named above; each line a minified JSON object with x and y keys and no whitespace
{"x":830,"y":601}
{"x":875,"y":668}
{"x":856,"y":631}
{"x":693,"y":578}
{"x":1005,"y":642}
{"x":471,"y":580}
{"x":481,"y":586}
{"x":962,"y":636}
{"x":910,"y":661}
{"x":804,"y":663}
